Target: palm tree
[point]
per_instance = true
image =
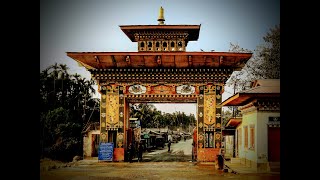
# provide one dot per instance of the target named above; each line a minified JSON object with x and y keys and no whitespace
{"x":70,"y":93}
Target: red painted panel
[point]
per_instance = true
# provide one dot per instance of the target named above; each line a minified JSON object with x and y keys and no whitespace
{"x":208,"y":154}
{"x":118,"y":154}
{"x":273,"y":144}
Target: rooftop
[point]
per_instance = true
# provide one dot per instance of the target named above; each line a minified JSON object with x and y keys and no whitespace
{"x":268,"y":88}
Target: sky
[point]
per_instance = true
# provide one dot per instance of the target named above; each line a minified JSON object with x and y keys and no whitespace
{"x":93,"y":26}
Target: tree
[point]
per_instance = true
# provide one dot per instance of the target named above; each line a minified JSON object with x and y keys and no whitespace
{"x":150,"y":117}
{"x":143,"y":112}
{"x":66,"y":106}
{"x":264,"y":64}
{"x":226,"y":115}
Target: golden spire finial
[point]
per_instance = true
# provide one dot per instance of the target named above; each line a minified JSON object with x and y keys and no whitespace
{"x":161,"y":17}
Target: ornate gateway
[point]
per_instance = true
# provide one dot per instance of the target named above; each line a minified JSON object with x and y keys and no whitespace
{"x":161,"y":71}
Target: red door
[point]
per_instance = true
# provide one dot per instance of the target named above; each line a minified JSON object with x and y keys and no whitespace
{"x":274,"y":144}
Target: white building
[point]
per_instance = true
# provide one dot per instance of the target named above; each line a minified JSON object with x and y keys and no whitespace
{"x":257,"y":137}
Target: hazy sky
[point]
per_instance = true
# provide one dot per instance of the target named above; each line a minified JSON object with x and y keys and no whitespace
{"x":93,"y":26}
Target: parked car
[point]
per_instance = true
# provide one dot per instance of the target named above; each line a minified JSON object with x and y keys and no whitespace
{"x":160,"y":141}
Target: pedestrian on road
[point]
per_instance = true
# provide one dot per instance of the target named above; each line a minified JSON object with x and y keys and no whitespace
{"x":169,"y":137}
{"x":140,"y":151}
{"x":131,"y":152}
{"x":169,"y":144}
{"x":221,"y":159}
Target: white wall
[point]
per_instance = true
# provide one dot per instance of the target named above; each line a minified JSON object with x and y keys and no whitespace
{"x":260,"y":153}
{"x":248,"y":120}
{"x":87,"y":141}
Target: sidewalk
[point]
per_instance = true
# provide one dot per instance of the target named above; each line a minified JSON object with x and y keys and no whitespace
{"x":238,"y":168}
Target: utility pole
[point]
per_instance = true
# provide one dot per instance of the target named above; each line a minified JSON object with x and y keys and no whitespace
{"x":234,"y":92}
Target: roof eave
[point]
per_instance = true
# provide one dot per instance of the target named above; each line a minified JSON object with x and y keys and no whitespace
{"x":230,"y":99}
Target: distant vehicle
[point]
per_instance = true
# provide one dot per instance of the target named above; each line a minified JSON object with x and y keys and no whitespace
{"x":144,"y":144}
{"x":176,"y":138}
{"x":160,"y":141}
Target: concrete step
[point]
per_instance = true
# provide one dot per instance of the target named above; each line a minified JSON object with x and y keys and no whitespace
{"x":274,"y":166}
{"x":235,"y":160}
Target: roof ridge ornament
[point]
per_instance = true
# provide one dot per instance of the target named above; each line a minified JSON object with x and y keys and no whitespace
{"x":161,"y":17}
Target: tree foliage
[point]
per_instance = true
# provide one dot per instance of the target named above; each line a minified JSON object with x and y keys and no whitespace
{"x":150,"y":117}
{"x":264,"y":64}
{"x":66,"y":106}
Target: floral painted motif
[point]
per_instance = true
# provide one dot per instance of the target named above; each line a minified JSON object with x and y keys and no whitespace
{"x":137,"y":89}
{"x":200,"y":137}
{"x":185,"y":89}
{"x":200,"y":125}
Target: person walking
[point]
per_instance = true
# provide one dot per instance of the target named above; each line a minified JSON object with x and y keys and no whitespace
{"x":140,"y":151}
{"x":131,"y":152}
{"x":169,"y":144}
{"x":221,"y":159}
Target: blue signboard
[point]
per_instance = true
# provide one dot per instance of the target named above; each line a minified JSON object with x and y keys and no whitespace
{"x":105,"y":151}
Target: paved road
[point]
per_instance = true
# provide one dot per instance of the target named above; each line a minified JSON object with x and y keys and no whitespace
{"x":185,"y":146}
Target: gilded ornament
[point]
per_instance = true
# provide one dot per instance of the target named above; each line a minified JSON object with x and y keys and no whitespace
{"x":120,"y":136}
{"x":121,"y":124}
{"x":218,"y":96}
{"x":120,"y":144}
{"x":218,"y":145}
{"x":200,"y":137}
{"x":103,"y":136}
{"x":218,"y":136}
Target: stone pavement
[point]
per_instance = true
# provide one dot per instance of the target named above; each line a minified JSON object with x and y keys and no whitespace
{"x":242,"y":169}
{"x":94,"y":170}
{"x":237,"y":168}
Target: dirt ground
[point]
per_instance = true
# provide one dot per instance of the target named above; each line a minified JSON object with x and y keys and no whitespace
{"x":146,"y":170}
{"x":159,"y":164}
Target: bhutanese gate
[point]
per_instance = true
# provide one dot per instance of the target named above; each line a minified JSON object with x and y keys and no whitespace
{"x":161,"y":71}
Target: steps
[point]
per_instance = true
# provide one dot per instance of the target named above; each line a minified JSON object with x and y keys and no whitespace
{"x":235,"y":160}
{"x":274,"y":166}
